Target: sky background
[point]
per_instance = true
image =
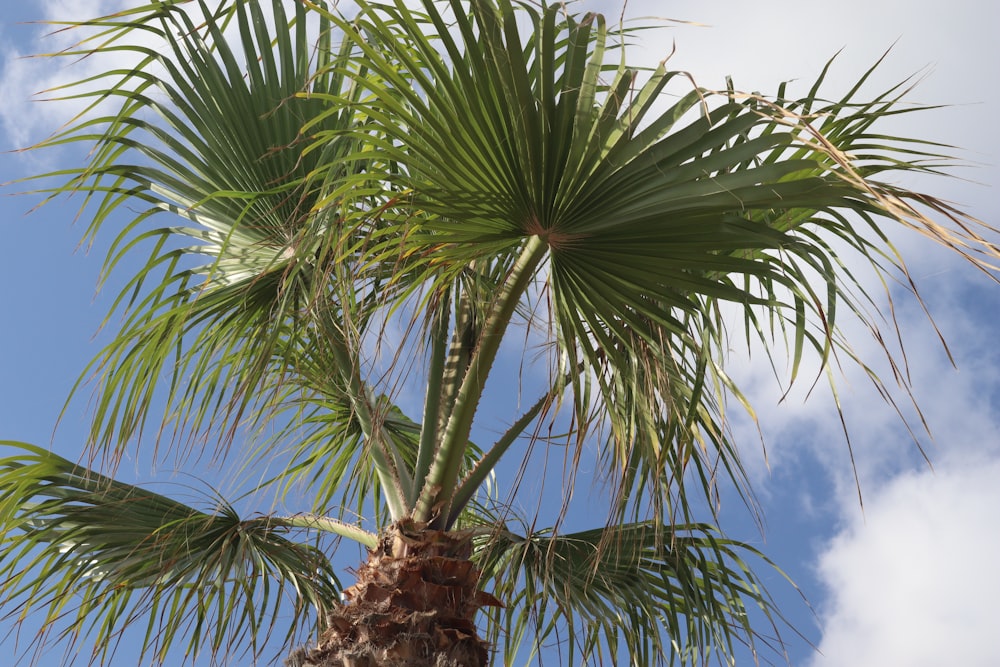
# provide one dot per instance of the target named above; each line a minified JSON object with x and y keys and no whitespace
{"x":912,"y":579}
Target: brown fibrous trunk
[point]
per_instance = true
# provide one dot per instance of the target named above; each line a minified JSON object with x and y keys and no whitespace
{"x":414,"y":605}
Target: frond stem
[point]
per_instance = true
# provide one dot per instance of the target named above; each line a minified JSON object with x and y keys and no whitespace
{"x":485,"y":465}
{"x":432,"y":403}
{"x":433,"y":504}
{"x":328,"y":525}
{"x":384,"y":455}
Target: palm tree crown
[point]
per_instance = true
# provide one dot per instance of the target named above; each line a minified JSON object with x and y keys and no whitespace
{"x":290,"y":187}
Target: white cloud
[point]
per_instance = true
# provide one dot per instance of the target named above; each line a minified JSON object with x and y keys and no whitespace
{"x":916,"y":581}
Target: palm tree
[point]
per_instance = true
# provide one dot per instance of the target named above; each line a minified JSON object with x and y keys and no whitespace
{"x":318,"y":214}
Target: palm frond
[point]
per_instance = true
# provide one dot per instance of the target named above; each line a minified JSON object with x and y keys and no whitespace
{"x":515,"y":136}
{"x":90,"y":554}
{"x":678,"y":594}
{"x":209,"y":132}
{"x":209,"y":135}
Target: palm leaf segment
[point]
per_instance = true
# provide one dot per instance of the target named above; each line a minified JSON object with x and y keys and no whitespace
{"x":242,"y":308}
{"x":623,"y":589}
{"x":213,"y":135}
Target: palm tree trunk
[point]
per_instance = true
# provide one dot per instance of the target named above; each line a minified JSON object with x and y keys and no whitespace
{"x":414,"y":605}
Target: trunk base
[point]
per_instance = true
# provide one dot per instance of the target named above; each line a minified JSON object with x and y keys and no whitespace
{"x":414,"y":605}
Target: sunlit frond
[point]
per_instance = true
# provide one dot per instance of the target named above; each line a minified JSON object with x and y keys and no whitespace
{"x":644,"y":213}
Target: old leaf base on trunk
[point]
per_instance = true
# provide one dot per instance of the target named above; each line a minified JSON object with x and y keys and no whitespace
{"x":414,"y":605}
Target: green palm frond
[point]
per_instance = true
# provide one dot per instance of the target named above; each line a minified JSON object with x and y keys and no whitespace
{"x":210,"y":135}
{"x":516,"y":137}
{"x":89,"y":553}
{"x":678,"y":594}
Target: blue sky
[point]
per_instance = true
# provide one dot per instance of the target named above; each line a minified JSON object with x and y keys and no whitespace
{"x":910,"y":580}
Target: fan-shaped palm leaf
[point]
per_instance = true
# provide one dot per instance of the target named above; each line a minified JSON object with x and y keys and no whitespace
{"x":654,"y":591}
{"x":209,"y":134}
{"x":523,"y":146}
{"x":213,"y":135}
{"x":96,"y":553}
